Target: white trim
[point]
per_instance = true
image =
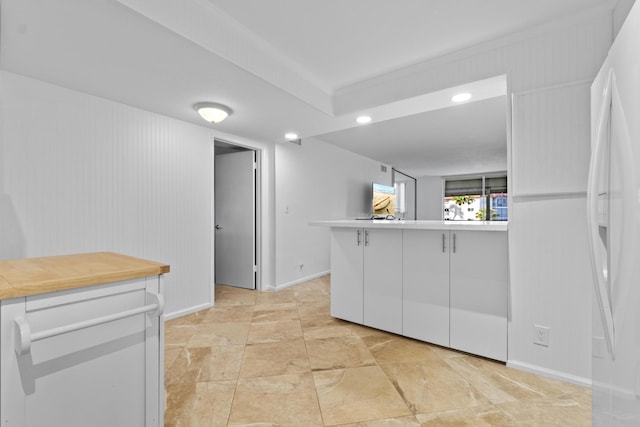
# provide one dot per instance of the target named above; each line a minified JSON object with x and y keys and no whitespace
{"x":549,"y":373}
{"x":581,"y":82}
{"x":551,"y":195}
{"x":186,"y":311}
{"x":616,"y":391}
{"x":301,"y":280}
{"x":212,"y":228}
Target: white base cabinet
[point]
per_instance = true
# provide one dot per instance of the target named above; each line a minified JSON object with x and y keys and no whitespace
{"x":366,"y":277}
{"x":479,"y":292}
{"x":103,"y":375}
{"x":347,"y":274}
{"x":447,"y":287}
{"x":383,"y":279}
{"x":426,"y":286}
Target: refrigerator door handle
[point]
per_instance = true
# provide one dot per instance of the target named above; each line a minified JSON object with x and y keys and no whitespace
{"x":598,"y":251}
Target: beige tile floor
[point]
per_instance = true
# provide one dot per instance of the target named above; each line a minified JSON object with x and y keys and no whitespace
{"x":280,"y":359}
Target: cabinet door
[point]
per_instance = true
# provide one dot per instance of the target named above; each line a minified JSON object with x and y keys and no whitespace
{"x":347,"y":246}
{"x":383,"y":279}
{"x":479,"y":280}
{"x":103,"y":375}
{"x":425,"y":312}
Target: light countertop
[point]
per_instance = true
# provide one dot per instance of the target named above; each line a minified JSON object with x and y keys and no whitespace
{"x":417,"y":225}
{"x":32,"y":276}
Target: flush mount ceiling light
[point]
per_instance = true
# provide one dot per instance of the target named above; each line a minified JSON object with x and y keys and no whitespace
{"x":363,"y":119}
{"x":461,"y":97}
{"x":212,"y":112}
{"x":291,"y":136}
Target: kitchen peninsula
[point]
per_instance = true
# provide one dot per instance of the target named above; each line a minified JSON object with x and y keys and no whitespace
{"x":82,"y":340}
{"x":444,"y":282}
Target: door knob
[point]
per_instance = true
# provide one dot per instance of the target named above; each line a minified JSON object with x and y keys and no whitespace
{"x":218,"y":227}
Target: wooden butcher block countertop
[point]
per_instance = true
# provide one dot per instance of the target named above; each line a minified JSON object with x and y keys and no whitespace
{"x":31,"y":276}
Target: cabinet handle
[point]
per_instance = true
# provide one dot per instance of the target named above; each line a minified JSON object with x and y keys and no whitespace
{"x":454,"y":243}
{"x":23,"y":336}
{"x":359,"y":238}
{"x":366,"y":238}
{"x":443,"y":247}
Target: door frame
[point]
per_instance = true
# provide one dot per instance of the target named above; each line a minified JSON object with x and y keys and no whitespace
{"x":257,"y":156}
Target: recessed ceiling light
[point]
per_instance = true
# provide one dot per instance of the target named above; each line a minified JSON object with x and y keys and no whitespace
{"x":461,"y":97}
{"x":363,"y":119}
{"x":291,"y":136}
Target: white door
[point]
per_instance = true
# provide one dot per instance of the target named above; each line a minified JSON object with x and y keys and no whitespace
{"x":235,"y":213}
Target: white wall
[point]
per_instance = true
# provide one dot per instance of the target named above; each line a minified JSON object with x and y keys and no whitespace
{"x":83,"y":174}
{"x":429,"y":198}
{"x":316,"y":181}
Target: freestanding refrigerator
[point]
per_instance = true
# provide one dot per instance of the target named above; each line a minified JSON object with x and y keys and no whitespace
{"x":613,"y":213}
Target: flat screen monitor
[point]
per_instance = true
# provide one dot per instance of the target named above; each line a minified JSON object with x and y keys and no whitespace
{"x":384,"y":200}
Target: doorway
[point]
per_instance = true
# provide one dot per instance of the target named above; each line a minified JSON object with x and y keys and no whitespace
{"x":236,"y":215}
{"x":406,"y":194}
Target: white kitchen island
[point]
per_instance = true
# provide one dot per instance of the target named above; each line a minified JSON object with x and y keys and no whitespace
{"x":444,"y":282}
{"x":82,"y":341}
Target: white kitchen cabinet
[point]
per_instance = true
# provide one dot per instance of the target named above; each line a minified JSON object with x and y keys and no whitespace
{"x":442,"y":283}
{"x":347,"y":274}
{"x":479,"y":292}
{"x":78,"y":354}
{"x":366,"y":277}
{"x":426,"y":285}
{"x":383,"y":279}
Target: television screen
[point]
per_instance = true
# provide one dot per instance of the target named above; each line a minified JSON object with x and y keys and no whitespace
{"x":384,"y":199}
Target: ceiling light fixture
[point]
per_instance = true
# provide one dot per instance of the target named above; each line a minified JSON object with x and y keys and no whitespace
{"x":212,"y":112}
{"x":291,"y":136}
{"x":363,"y":119}
{"x":461,"y":97}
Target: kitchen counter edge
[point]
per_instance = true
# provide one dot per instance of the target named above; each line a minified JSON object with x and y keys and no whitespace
{"x":417,"y":225}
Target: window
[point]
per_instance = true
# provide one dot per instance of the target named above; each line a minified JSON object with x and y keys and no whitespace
{"x":476,"y":198}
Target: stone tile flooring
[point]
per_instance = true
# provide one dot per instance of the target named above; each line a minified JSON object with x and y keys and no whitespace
{"x":280,"y":359}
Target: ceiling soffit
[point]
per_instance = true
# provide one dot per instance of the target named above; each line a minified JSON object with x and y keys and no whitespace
{"x":203,"y":24}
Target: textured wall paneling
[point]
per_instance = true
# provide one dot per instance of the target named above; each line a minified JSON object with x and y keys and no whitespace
{"x":86,"y":174}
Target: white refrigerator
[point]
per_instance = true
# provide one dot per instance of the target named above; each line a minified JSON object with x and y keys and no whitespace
{"x":613,"y":204}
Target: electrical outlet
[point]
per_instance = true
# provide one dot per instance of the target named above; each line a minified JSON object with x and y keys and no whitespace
{"x":541,"y":335}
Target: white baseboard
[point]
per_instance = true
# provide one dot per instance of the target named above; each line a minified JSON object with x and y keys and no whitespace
{"x":175,"y":314}
{"x":550,"y":373}
{"x":301,"y":280}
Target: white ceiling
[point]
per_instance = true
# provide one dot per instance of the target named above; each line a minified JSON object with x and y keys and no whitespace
{"x":277,"y":64}
{"x":340,"y":42}
{"x":458,"y":140}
